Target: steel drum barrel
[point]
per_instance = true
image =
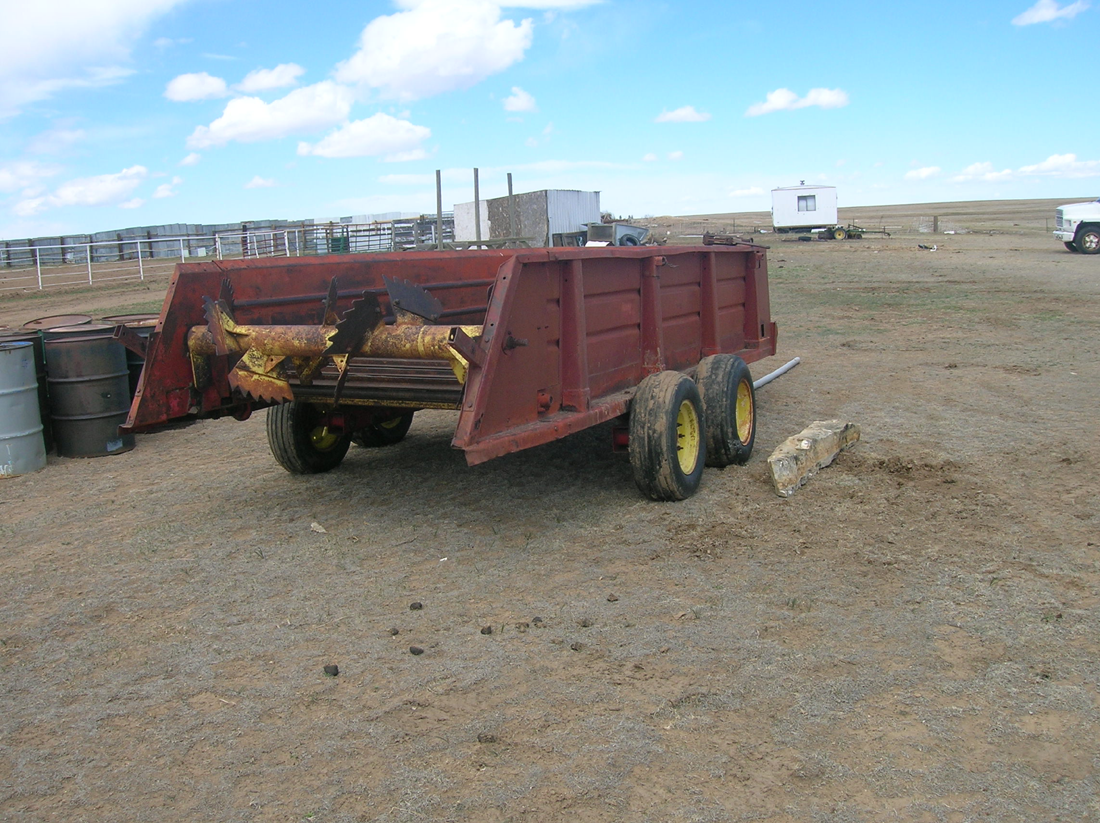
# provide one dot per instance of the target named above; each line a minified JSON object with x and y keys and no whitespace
{"x":33,"y":337}
{"x":22,"y":449}
{"x":89,"y":390}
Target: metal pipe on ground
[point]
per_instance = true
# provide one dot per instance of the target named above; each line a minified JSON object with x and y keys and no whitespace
{"x":763,"y":381}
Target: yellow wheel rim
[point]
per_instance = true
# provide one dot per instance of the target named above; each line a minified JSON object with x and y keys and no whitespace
{"x":744,"y":412}
{"x":390,"y":424}
{"x":323,"y":439}
{"x":687,"y":437}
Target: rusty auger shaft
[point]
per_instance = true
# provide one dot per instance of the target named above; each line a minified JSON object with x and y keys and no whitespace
{"x":264,"y":349}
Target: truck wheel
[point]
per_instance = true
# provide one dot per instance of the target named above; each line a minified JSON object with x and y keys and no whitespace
{"x":300,"y":440}
{"x":729,"y":408}
{"x":667,"y":440}
{"x":384,"y":433}
{"x":1072,"y":246}
{"x":839,"y":233}
{"x":1088,"y":240}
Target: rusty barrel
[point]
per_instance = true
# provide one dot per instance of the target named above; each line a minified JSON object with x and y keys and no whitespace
{"x":89,"y":390}
{"x":142,"y":325}
{"x":22,"y":449}
{"x":35,"y":339}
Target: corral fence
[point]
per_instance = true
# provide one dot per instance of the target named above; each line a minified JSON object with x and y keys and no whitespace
{"x":48,"y":262}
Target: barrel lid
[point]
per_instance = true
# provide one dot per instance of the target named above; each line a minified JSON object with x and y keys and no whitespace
{"x":7,"y":345}
{"x":88,"y":329}
{"x":14,"y":335}
{"x":57,"y":320}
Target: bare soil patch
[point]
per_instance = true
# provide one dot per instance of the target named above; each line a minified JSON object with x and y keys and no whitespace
{"x":912,"y":636}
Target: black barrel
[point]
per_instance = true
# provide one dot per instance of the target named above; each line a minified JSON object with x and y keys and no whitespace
{"x":89,"y":390}
{"x":35,"y":338}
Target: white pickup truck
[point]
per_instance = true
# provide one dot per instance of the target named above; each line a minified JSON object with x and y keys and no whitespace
{"x":1078,"y":226}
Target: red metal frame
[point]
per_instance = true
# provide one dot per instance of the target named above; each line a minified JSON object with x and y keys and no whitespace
{"x":567,"y":334}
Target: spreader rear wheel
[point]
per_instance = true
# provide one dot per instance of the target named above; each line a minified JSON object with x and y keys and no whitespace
{"x":385,"y":432}
{"x":729,"y":407}
{"x":301,"y":440}
{"x":667,"y":439}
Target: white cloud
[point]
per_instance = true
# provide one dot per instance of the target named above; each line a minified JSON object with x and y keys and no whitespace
{"x":136,"y":203}
{"x":684,"y":114}
{"x":379,"y":134}
{"x":787,"y":100}
{"x":650,"y":157}
{"x":167,"y":189}
{"x":69,"y":44}
{"x":520,"y":101}
{"x":101,"y":190}
{"x":55,"y":141}
{"x":1047,"y":11}
{"x":168,"y":42}
{"x":755,"y":191}
{"x":1065,"y":166}
{"x":562,"y":5}
{"x":24,"y":174}
{"x":923,"y":173}
{"x":258,"y":182}
{"x":984,"y":172}
{"x":196,"y":86}
{"x":283,"y":75}
{"x":191,"y":160}
{"x":435,"y":46}
{"x":250,"y":119}
{"x":675,"y":155}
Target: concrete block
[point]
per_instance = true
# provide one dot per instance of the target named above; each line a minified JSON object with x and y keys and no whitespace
{"x":798,"y":458}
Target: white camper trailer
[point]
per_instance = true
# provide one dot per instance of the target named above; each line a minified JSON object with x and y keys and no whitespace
{"x":804,"y":208}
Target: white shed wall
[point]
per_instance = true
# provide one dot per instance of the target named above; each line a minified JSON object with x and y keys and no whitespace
{"x":465,"y":227}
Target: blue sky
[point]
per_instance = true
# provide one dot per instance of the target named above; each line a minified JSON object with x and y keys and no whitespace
{"x":140,"y":112}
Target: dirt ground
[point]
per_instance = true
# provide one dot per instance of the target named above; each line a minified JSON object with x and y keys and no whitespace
{"x":912,"y":636}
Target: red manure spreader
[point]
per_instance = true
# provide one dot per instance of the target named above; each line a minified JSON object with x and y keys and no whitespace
{"x":527,"y":345}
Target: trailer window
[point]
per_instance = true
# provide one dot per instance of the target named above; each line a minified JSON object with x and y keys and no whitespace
{"x":807,"y":202}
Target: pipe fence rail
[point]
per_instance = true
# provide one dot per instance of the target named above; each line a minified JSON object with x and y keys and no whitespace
{"x":39,"y":265}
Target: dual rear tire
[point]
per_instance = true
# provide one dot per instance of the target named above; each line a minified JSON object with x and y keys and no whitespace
{"x":678,"y":425}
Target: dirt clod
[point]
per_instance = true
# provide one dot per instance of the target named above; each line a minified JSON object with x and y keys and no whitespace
{"x":416,"y":650}
{"x":416,"y":606}
{"x":332,"y":670}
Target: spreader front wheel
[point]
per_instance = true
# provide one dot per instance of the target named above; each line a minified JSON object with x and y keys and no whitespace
{"x":301,"y":439}
{"x":385,"y":432}
{"x":667,"y":437}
